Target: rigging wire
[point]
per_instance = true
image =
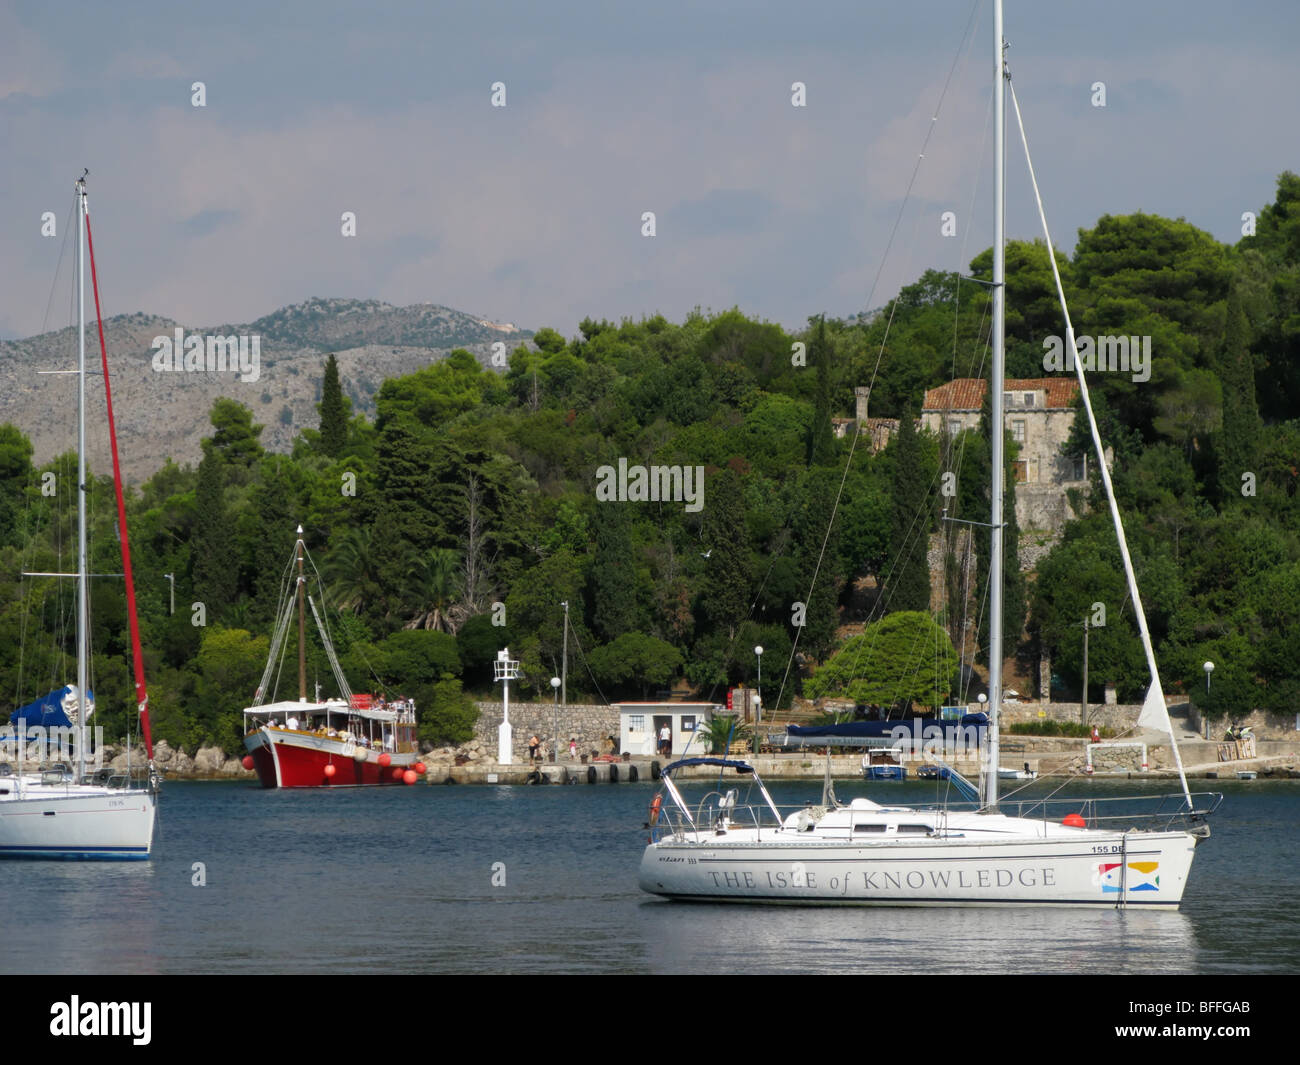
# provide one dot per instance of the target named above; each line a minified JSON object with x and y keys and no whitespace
{"x":910,"y":538}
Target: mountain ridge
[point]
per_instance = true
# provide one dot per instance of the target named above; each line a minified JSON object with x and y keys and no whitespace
{"x":165,"y":415}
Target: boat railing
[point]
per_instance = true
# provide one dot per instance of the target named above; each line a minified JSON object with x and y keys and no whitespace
{"x":1121,"y":812}
{"x":714,"y":815}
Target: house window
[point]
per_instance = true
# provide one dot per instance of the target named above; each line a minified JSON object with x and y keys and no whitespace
{"x":1018,"y":430}
{"x":1008,"y":399}
{"x":1029,"y":399}
{"x":954,"y":426}
{"x":636,"y":722}
{"x":688,"y":723}
{"x":1022,"y":472}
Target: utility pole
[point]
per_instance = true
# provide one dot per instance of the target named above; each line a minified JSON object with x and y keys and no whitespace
{"x":1083,"y":712}
{"x":564,"y":662}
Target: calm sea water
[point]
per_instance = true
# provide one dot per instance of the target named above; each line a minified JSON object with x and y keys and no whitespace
{"x":400,"y":880}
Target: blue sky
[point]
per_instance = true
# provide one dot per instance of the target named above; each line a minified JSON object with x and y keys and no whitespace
{"x":532,"y":213}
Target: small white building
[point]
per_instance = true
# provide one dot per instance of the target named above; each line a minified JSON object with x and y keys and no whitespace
{"x":641,"y":727}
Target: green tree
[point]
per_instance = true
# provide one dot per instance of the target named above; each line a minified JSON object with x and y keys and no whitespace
{"x":449,"y":715}
{"x":617,"y":583}
{"x":435,"y":586}
{"x":725,"y":590}
{"x":230,"y":663}
{"x":907,"y":580}
{"x":636,"y":661}
{"x":334,"y":412}
{"x":215,"y":573}
{"x":1240,"y":413}
{"x":15,"y":475}
{"x":235,"y":440}
{"x":821,"y":436}
{"x":901,"y":660}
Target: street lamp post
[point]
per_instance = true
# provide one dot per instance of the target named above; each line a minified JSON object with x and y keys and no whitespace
{"x":758,"y":710}
{"x":564,"y":660}
{"x":555,"y":721}
{"x":1205,"y":720}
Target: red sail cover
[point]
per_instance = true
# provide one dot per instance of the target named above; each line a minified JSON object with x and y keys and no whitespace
{"x":141,"y":693}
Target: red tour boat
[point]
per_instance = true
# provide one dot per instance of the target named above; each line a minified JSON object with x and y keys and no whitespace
{"x":348,"y":742}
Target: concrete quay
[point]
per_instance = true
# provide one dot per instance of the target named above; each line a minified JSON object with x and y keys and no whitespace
{"x":1048,"y":757}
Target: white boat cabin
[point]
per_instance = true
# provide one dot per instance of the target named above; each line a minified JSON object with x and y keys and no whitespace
{"x":375,"y":725}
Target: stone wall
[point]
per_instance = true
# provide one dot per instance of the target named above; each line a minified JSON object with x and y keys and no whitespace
{"x":1116,"y":718}
{"x":1265,"y":726}
{"x":588,"y":723}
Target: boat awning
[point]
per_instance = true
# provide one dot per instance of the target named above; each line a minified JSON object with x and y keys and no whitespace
{"x":289,"y":707}
{"x":46,"y":711}
{"x":725,"y":763}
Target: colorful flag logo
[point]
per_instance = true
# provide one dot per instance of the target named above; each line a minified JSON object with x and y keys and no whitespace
{"x":1140,"y":876}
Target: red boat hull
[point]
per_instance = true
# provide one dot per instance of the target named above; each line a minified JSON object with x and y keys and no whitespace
{"x":285,"y":759}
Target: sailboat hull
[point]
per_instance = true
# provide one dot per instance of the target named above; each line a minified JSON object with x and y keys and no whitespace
{"x":77,"y":824}
{"x":1143,"y":869}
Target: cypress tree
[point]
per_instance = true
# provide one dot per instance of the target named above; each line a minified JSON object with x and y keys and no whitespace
{"x":333,"y":412}
{"x":821,"y":437}
{"x":726,"y":587}
{"x":214,"y":566}
{"x":909,"y":571}
{"x":612,"y":583}
{"x":1240,"y":411}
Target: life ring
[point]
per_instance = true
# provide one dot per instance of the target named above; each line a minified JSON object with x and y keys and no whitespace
{"x":655,"y":804}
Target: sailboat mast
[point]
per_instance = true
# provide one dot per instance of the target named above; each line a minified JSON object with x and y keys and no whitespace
{"x":302,"y":625}
{"x":996,"y":375}
{"x":83,"y":607}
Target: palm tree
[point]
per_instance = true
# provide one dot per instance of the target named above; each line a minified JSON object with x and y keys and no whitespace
{"x":437,"y":583}
{"x":351,"y":571}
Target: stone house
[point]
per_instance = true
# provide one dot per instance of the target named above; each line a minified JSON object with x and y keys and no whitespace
{"x":1039,"y":414}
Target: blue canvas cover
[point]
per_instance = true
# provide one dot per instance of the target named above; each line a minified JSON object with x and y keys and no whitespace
{"x":46,"y":711}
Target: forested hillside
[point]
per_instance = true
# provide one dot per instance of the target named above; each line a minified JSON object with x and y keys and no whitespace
{"x":461,"y":516}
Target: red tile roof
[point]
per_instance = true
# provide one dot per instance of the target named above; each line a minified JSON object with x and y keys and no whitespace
{"x":967,"y":393}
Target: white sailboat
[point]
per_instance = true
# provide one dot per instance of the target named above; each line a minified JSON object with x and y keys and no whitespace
{"x":60,"y":811}
{"x":1089,"y":852}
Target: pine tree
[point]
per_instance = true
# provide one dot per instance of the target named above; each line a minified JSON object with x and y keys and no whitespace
{"x":333,"y":412}
{"x":908,"y":574}
{"x":1240,"y":411}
